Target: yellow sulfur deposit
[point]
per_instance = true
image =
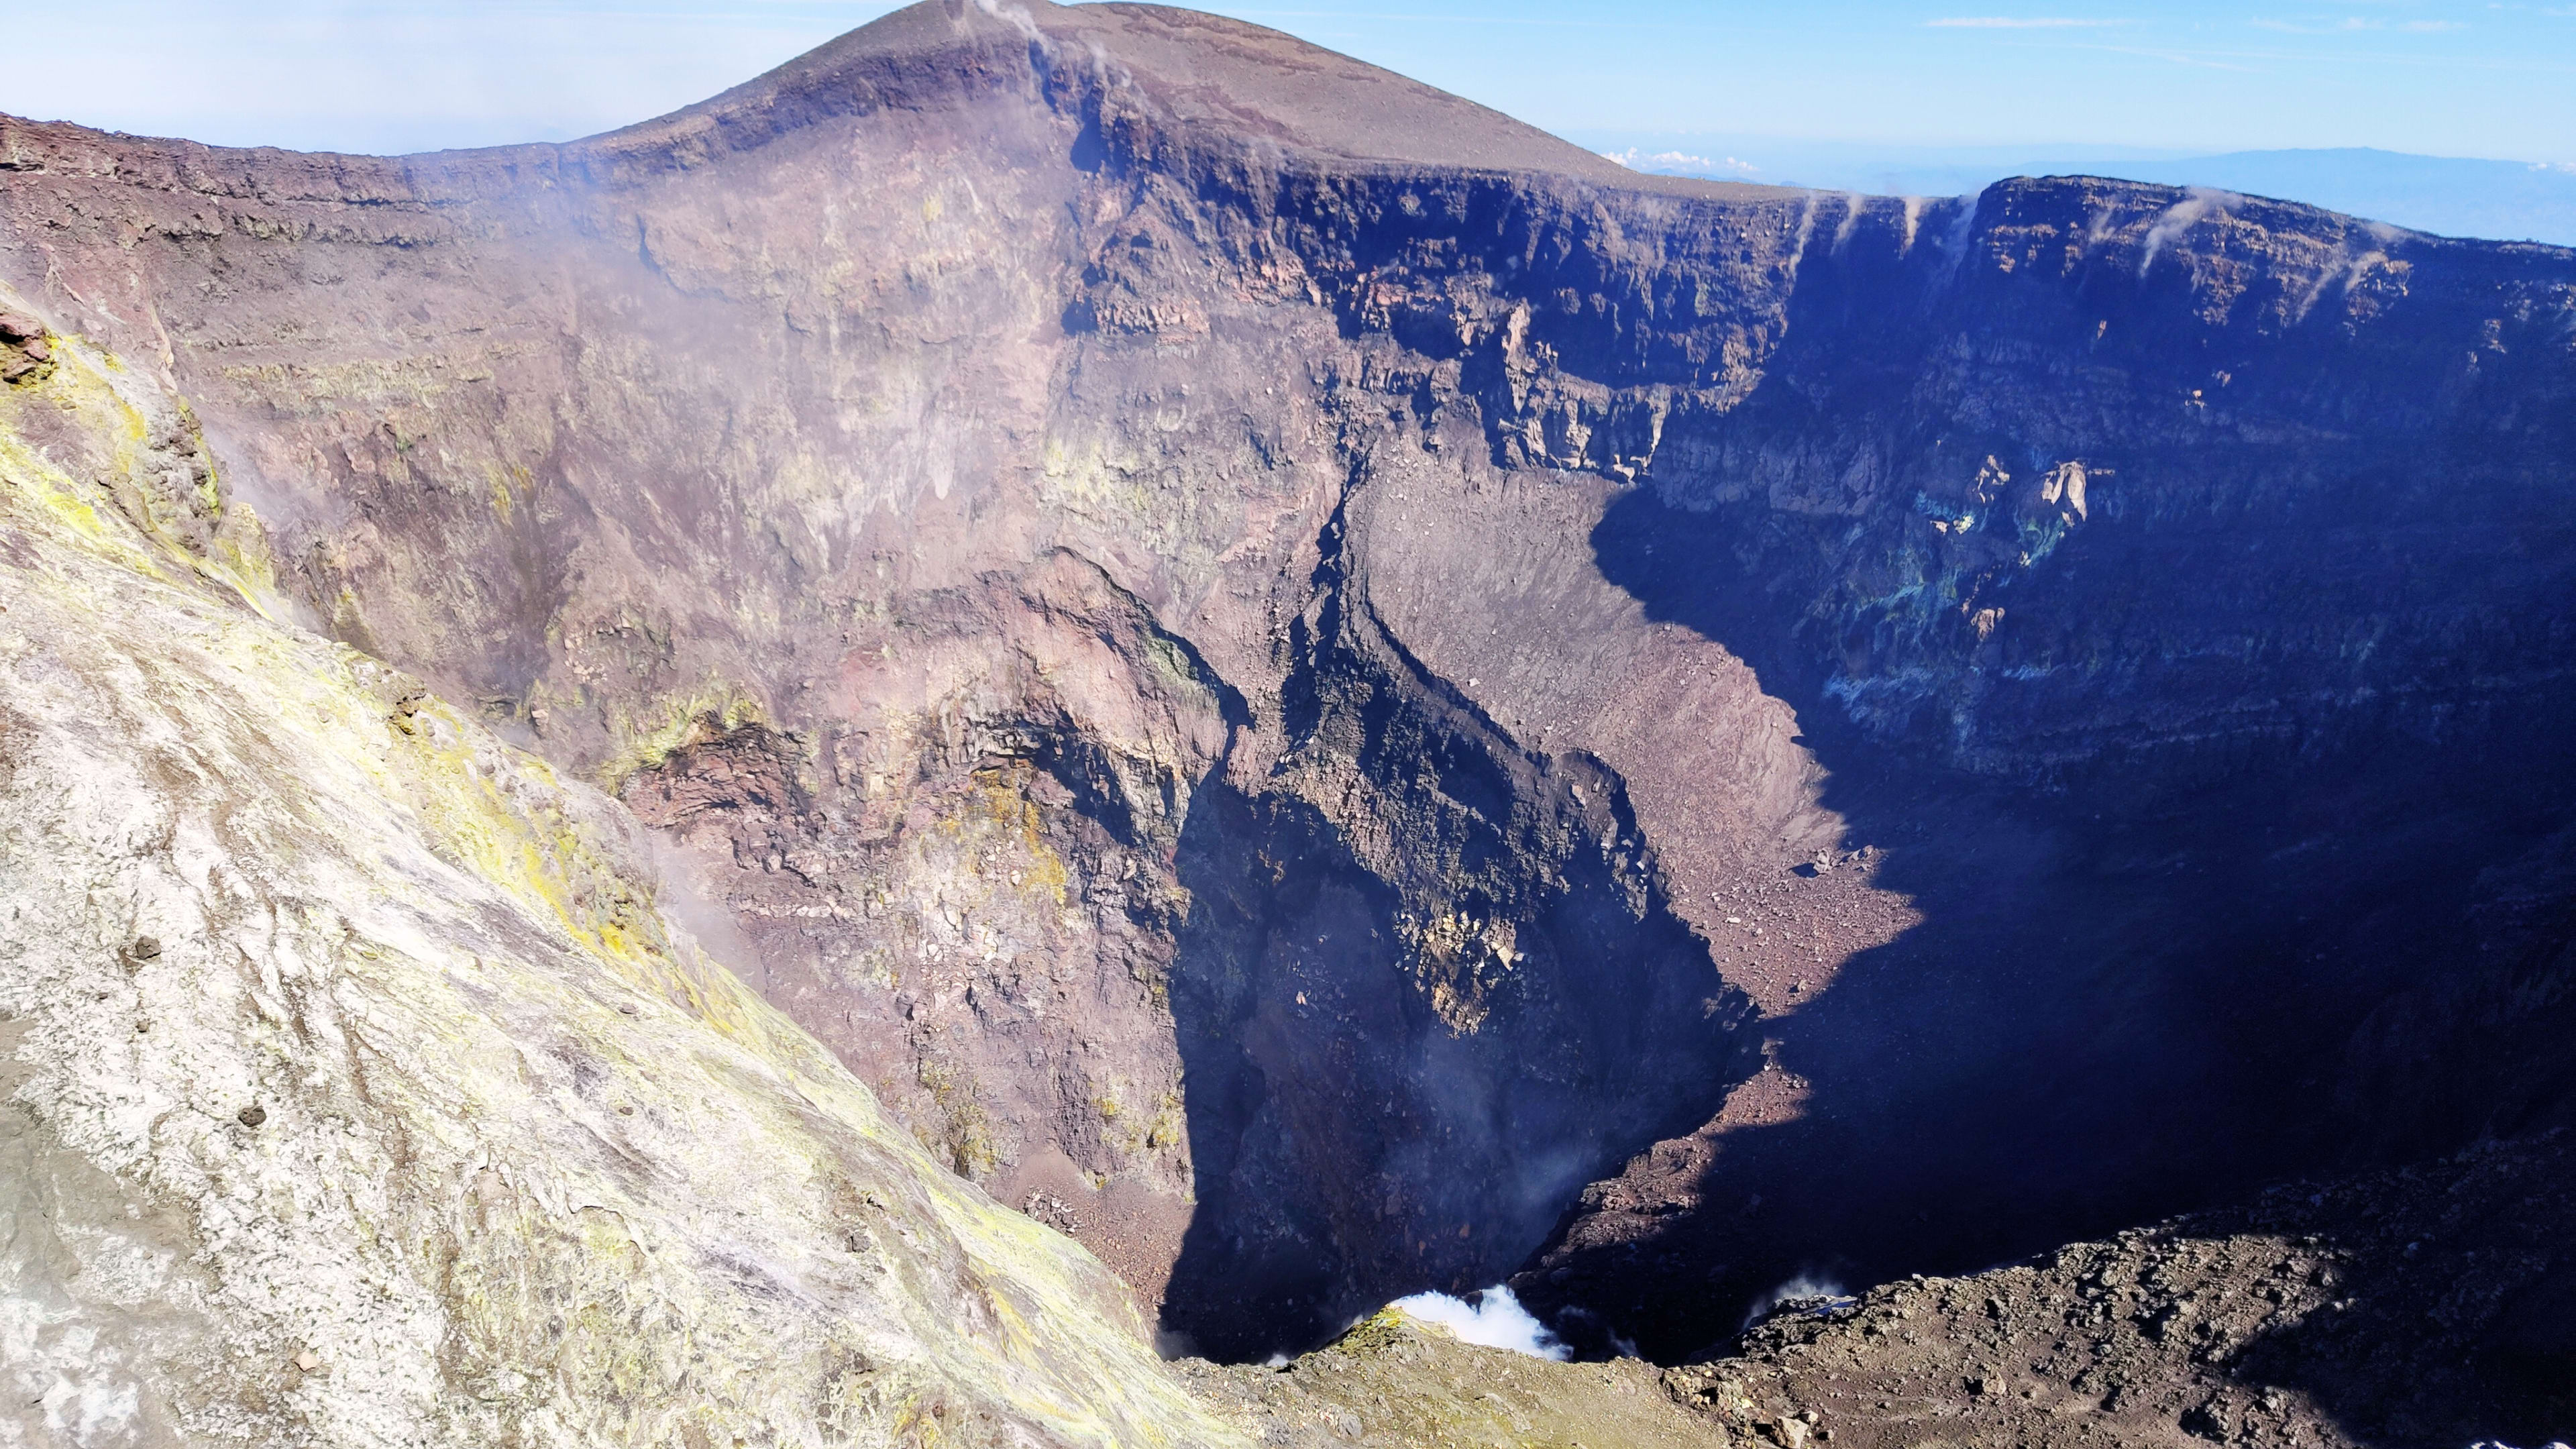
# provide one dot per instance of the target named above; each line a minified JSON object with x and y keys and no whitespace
{"x":356,"y":1090}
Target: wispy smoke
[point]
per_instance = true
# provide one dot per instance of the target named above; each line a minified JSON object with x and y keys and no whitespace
{"x":2197,"y":202}
{"x":1016,"y":16}
{"x":2357,"y":265}
{"x":1493,"y":1318}
{"x":1806,"y":229}
{"x":688,"y":900}
{"x":1963,"y":228}
{"x":1804,"y":1285}
{"x":1850,"y":221}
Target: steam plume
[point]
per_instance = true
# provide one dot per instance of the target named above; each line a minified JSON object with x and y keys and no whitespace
{"x":1494,"y":1318}
{"x":1804,"y":1285}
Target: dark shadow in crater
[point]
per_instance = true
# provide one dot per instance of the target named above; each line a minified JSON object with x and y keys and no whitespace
{"x":1276,"y":906}
{"x":2135,"y":989}
{"x":1397,"y":1071}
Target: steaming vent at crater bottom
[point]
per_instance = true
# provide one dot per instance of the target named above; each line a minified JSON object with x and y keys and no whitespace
{"x":1492,"y":1317}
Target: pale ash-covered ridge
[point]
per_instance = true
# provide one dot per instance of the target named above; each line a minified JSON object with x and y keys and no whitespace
{"x":354,"y":1090}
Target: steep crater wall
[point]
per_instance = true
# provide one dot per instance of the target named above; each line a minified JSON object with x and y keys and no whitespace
{"x":1428,"y":979}
{"x":2163,"y":580}
{"x":1970,"y":721}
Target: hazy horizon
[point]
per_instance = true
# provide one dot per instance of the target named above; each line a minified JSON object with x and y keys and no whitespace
{"x":2484,"y":81}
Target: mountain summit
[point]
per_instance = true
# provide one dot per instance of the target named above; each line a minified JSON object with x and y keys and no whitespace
{"x":1204,"y":73}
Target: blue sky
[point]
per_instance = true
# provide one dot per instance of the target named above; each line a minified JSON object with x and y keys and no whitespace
{"x":2459,"y":79}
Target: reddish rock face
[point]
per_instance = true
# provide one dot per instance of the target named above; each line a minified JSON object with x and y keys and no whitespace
{"x":1295,"y":670}
{"x":24,"y":352}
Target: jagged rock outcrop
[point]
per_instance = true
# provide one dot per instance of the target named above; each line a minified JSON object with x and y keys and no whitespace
{"x":1291,"y":669}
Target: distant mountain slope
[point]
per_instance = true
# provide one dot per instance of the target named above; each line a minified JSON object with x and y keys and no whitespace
{"x":2448,"y":196}
{"x":1199,"y":70}
{"x":2505,"y":200}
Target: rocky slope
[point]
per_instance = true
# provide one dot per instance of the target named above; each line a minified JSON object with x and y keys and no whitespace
{"x":358,"y":1090}
{"x":1396,"y":1380}
{"x":2423,"y":1306}
{"x":1292,"y":671}
{"x":2426,"y":1306}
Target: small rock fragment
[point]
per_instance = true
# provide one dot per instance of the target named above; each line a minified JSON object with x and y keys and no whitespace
{"x":252,"y":1115}
{"x":24,"y":352}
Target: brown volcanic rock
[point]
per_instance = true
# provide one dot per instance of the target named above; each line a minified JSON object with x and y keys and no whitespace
{"x":2427,"y":1306}
{"x":1293,"y":669}
{"x":24,"y":351}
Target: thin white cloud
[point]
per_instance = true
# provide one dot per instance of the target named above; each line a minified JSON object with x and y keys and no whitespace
{"x":1684,"y":162}
{"x":2346,"y":26}
{"x":2020,"y":22}
{"x":2220,"y":59}
{"x":2195,"y":59}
